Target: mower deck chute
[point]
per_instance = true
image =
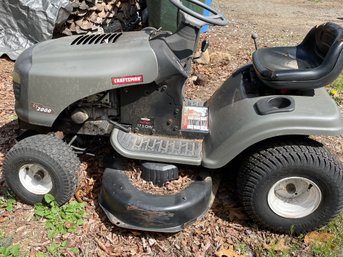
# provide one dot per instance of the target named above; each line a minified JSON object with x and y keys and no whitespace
{"x":128,"y":207}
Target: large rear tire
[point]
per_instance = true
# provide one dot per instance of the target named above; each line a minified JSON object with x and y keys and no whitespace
{"x":42,"y":164}
{"x":294,"y":185}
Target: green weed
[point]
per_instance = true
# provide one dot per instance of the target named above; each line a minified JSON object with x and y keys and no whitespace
{"x":7,"y":204}
{"x":56,"y":249}
{"x":9,"y":251}
{"x":60,"y":220}
{"x":241,"y":248}
{"x":291,"y":230}
{"x":6,"y":247}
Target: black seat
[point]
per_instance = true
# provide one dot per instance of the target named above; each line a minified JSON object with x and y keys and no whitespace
{"x":316,"y":62}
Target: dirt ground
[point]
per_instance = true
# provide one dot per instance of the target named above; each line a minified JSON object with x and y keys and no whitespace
{"x":225,"y":226}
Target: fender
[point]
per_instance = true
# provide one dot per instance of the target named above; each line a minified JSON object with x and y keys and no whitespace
{"x":236,"y":123}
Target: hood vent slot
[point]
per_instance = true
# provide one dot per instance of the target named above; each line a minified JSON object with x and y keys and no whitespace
{"x":96,"y":39}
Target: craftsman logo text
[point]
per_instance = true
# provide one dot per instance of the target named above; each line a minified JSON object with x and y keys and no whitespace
{"x":127,"y":80}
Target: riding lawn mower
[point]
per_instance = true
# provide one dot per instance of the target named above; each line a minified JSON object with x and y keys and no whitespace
{"x":129,"y":89}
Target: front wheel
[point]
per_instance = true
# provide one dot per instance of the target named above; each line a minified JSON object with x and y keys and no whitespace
{"x":39,"y":165}
{"x":291,"y":185}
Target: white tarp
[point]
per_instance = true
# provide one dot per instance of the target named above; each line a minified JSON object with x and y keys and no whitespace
{"x":26,"y":22}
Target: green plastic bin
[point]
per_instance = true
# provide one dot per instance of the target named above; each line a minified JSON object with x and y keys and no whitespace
{"x":163,"y":14}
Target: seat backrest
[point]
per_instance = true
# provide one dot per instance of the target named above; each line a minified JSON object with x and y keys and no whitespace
{"x":326,"y":35}
{"x":322,"y":38}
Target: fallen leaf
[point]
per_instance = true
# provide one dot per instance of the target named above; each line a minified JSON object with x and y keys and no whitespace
{"x":78,"y":196}
{"x":32,"y":252}
{"x":136,"y":233}
{"x":228,"y":253}
{"x":318,"y":237}
{"x":151,"y":241}
{"x":236,"y":214}
{"x":68,"y":225}
{"x":3,"y":219}
{"x":279,"y":245}
{"x":101,"y":245}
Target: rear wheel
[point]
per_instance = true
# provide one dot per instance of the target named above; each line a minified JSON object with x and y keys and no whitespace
{"x":41,"y":164}
{"x":291,"y":185}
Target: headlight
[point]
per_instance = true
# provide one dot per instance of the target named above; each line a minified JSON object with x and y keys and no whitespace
{"x":16,"y":78}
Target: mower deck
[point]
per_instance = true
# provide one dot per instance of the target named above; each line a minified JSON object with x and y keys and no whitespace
{"x":155,"y":148}
{"x":128,"y":207}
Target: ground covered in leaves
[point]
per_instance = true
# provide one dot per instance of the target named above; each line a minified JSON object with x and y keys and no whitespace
{"x":224,"y":230}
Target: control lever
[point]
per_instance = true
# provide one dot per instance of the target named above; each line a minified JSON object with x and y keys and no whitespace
{"x":254,"y":37}
{"x":204,"y":46}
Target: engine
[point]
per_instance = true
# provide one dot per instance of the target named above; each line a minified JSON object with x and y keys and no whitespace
{"x":93,"y":114}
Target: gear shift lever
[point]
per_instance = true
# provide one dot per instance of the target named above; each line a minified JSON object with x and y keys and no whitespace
{"x":254,"y":37}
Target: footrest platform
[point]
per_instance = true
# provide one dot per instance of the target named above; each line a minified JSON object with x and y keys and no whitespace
{"x":157,"y":148}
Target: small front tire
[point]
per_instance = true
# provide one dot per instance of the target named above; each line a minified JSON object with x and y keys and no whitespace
{"x":291,"y":185}
{"x":42,"y":164}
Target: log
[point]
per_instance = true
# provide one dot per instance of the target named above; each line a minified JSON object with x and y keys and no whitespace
{"x":89,"y":16}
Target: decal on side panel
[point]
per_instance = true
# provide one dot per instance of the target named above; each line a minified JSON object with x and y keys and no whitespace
{"x":127,"y":80}
{"x":41,"y":108}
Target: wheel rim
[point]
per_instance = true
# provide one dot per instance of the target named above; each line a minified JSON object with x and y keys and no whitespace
{"x":35,"y":179}
{"x":294,"y":197}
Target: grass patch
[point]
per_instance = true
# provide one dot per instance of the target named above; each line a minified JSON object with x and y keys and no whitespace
{"x":334,"y":246}
{"x":338,"y":83}
{"x":325,"y":242}
{"x":60,"y":220}
{"x":336,"y":89}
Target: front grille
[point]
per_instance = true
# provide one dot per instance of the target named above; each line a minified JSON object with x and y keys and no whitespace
{"x":95,"y":39}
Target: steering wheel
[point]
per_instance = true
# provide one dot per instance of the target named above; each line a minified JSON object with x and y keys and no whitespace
{"x":215,"y":19}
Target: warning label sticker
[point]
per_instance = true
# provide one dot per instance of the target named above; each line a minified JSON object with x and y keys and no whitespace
{"x":195,"y":118}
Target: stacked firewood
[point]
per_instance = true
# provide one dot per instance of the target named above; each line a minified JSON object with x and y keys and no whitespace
{"x":97,"y":16}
